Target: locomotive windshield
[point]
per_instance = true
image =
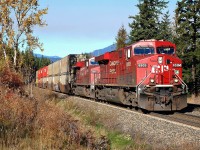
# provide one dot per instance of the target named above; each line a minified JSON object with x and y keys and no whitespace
{"x":93,"y":62}
{"x":143,"y":50}
{"x":165,"y":50}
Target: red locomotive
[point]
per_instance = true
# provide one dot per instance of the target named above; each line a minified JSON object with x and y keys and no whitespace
{"x":87,"y":75}
{"x":146,"y":74}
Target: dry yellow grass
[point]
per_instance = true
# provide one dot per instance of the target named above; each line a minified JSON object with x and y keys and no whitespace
{"x":31,"y":123}
{"x":37,"y":123}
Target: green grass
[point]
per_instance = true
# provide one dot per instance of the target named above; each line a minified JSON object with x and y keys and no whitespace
{"x":120,"y":141}
{"x":93,"y":120}
{"x":117,"y":140}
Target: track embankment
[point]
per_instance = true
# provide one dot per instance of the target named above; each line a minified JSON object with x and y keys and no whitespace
{"x":154,"y":129}
{"x":186,"y":119}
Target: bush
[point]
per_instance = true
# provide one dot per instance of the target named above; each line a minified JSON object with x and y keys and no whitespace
{"x":30,"y":123}
{"x":10,"y":78}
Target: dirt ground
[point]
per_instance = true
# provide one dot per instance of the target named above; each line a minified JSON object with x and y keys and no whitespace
{"x":194,"y":100}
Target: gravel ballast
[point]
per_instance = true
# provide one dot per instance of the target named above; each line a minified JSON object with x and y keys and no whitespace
{"x":154,"y":129}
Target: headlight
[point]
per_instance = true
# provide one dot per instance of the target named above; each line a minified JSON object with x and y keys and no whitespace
{"x":152,"y":80}
{"x":176,"y":80}
{"x":176,"y":71}
{"x":160,"y":60}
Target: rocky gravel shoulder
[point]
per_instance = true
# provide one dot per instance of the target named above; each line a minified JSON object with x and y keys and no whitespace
{"x":195,"y":113}
{"x":155,"y":130}
{"x":193,"y":109}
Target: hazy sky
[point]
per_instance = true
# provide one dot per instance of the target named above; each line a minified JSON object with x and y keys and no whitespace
{"x":78,"y":26}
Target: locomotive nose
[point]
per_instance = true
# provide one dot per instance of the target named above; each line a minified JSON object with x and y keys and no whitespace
{"x":161,"y":71}
{"x":165,"y":86}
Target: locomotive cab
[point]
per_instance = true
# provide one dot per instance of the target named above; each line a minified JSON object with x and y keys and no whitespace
{"x":87,"y":74}
{"x":159,"y":84}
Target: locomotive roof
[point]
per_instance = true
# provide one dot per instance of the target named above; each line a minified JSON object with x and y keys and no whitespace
{"x":153,"y":43}
{"x":142,"y":43}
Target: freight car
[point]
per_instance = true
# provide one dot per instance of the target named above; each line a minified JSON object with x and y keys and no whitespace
{"x":146,"y":74}
{"x":57,"y":76}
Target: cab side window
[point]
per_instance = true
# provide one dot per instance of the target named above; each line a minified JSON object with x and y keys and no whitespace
{"x":143,"y":50}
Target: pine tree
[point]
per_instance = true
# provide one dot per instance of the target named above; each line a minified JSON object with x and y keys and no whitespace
{"x":27,"y":64}
{"x":188,"y":35}
{"x":165,"y":29}
{"x":121,"y":38}
{"x":145,"y":25}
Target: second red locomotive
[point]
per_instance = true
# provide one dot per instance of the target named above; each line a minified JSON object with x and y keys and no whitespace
{"x":146,"y":74}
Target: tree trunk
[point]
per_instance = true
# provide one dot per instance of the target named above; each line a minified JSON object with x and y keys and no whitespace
{"x":194,"y":60}
{"x":15,"y":55}
{"x":15,"y":58}
{"x":194,"y":79}
{"x":5,"y":55}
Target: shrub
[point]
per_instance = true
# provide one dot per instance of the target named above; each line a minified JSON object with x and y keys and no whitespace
{"x":10,"y":78}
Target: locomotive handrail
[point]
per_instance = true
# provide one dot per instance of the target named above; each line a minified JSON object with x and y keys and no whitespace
{"x":183,"y":83}
{"x":141,"y":83}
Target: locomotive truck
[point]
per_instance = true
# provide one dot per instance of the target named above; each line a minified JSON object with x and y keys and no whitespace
{"x":146,"y":74}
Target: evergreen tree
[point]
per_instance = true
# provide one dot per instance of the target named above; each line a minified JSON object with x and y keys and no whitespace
{"x":121,"y":37}
{"x":41,"y":62}
{"x":86,"y":55}
{"x":188,"y":35}
{"x":145,"y":25}
{"x":27,"y":65}
{"x":30,"y":64}
{"x":165,"y":28}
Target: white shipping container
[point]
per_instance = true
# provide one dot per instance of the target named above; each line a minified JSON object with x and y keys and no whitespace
{"x":63,"y":79}
{"x":65,"y":64}
{"x":50,"y":70}
{"x":56,"y":67}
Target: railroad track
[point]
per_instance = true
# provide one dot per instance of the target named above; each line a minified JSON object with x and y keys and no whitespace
{"x":186,"y":119}
{"x":179,"y":117}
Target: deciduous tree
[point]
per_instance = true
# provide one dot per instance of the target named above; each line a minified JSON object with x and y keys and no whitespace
{"x":5,"y":25}
{"x":20,"y":17}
